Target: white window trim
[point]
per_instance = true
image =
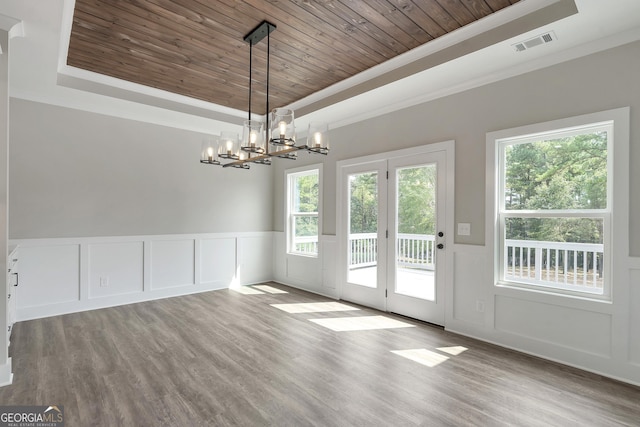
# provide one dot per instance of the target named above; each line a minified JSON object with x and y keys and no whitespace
{"x":288,"y":175}
{"x":618,"y":192}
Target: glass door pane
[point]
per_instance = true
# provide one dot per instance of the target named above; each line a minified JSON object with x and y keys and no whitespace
{"x":415,"y":260}
{"x":363,"y":229}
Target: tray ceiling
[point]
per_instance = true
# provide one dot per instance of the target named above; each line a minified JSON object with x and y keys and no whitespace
{"x":196,"y":48}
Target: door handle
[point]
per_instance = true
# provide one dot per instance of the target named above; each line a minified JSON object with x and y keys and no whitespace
{"x":440,"y":246}
{"x":440,"y":234}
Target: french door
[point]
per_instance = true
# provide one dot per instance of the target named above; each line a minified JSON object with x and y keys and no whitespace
{"x":393,"y":234}
{"x":365,"y":193}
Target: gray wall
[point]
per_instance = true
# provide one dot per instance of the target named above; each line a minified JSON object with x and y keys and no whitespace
{"x":80,"y":174}
{"x":75,"y":174}
{"x":598,"y":82}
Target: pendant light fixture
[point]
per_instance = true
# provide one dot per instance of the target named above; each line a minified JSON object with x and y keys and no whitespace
{"x":261,"y":141}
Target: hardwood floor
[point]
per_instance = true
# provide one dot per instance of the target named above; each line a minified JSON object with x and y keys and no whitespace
{"x":225,"y":358}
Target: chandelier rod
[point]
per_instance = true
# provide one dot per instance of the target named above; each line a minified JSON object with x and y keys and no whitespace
{"x":266,"y":128}
{"x":250,"y":72}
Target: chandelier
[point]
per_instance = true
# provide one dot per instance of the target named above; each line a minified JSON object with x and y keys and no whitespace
{"x":261,"y":141}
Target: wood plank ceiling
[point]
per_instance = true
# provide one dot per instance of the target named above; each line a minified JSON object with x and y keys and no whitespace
{"x":195,"y":47}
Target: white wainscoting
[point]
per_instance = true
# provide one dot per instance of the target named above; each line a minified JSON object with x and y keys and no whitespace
{"x":600,"y":337}
{"x":56,"y":270}
{"x":313,"y":274}
{"x":254,"y":259}
{"x":218,"y":260}
{"x":634,"y":312}
{"x":115,"y":268}
{"x":329,"y":265}
{"x":172,"y":263}
{"x":467,"y":300}
{"x":577,"y":330}
{"x":59,"y":276}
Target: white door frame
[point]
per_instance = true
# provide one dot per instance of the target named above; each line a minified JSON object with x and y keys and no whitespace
{"x":342,"y":227}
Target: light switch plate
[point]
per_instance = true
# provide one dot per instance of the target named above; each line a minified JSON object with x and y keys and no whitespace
{"x":464,"y":229}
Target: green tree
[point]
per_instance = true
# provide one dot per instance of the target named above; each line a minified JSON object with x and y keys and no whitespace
{"x":306,"y":199}
{"x":416,"y":200}
{"x":562,"y":173}
{"x":363,"y":203}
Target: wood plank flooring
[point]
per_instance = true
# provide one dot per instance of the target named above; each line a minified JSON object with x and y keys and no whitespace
{"x":225,"y":358}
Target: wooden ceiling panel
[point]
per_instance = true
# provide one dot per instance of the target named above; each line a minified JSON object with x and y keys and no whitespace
{"x":195,"y":48}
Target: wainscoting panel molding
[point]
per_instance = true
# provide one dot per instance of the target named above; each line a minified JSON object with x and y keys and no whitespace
{"x":469,"y":300}
{"x":172,"y":263}
{"x":576,"y":330}
{"x":313,"y":274}
{"x":56,"y":270}
{"x":255,"y":259}
{"x":329,"y":248}
{"x":59,"y":276}
{"x":634,"y":314}
{"x":217,"y":260}
{"x":115,"y":268}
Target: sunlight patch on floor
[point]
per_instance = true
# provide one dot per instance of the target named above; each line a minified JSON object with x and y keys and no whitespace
{"x":454,"y":351}
{"x":313,"y":307}
{"x":269,"y":289}
{"x":422,"y":356}
{"x":341,"y":324}
{"x":246,"y":290}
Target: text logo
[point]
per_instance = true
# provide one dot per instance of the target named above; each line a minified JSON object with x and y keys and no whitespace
{"x":32,"y":416}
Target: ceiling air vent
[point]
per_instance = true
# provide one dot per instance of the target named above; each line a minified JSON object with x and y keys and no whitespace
{"x":536,"y":41}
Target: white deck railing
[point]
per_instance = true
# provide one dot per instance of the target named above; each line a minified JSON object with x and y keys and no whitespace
{"x":363,"y":250}
{"x":414,"y":250}
{"x":573,"y":266}
{"x":305,"y":245}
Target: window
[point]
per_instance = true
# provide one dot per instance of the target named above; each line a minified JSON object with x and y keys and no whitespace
{"x":554,"y":209}
{"x":303,"y":223}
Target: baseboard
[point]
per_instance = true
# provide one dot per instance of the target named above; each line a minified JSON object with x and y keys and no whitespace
{"x":6,"y":376}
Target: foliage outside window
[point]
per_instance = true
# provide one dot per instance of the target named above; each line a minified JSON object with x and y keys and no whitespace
{"x":416,"y":200}
{"x":303,"y":221}
{"x":416,"y":203}
{"x":554,"y":212}
{"x":363,"y":193}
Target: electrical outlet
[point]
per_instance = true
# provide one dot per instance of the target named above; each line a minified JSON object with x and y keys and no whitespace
{"x":104,"y":281}
{"x":480,"y":306}
{"x":464,"y":229}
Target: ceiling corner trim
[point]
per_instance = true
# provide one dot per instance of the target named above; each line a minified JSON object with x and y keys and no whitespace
{"x":98,"y":84}
{"x":13,"y":26}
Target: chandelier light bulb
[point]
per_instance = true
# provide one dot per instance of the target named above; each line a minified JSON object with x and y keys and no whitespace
{"x":282,"y":126}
